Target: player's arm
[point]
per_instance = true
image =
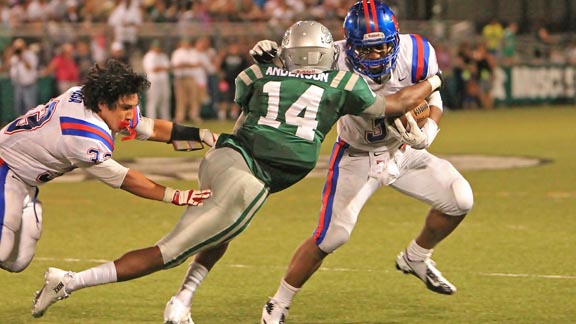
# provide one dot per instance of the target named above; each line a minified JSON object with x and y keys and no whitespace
{"x":158,"y":130}
{"x":118,"y":176}
{"x":422,"y":137}
{"x":239,"y":122}
{"x":409,"y":97}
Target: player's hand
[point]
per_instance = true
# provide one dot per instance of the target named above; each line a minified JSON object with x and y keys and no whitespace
{"x":411,"y":134}
{"x":186,"y":197}
{"x":264,"y":51}
{"x":208,"y":137}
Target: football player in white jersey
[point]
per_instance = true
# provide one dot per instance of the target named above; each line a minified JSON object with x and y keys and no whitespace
{"x":369,"y":153}
{"x":75,"y":130}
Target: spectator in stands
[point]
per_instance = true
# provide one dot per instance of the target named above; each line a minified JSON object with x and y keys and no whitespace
{"x":571,"y":53}
{"x":193,"y":12}
{"x":509,"y":44}
{"x":126,"y":18}
{"x":492,"y":33}
{"x":278,"y":13}
{"x":249,"y":10}
{"x":57,"y":10}
{"x":157,"y":67}
{"x":191,"y":66}
{"x":159,"y":13}
{"x":24,"y":77}
{"x":184,"y":83}
{"x":543,"y":42}
{"x":444,"y":58}
{"x":64,"y":68}
{"x":16,"y":14}
{"x":72,"y":14}
{"x":484,"y":73}
{"x":36,"y":12}
{"x":232,"y":62}
{"x":83,"y":58}
{"x":462,"y":75}
{"x":118,"y":52}
{"x":99,"y":46}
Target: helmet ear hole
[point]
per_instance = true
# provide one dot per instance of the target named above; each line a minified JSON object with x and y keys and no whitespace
{"x":367,"y":33}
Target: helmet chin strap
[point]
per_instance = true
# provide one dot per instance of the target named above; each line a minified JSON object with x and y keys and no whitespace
{"x":382,"y":79}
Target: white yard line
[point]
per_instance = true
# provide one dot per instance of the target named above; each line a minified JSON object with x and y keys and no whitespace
{"x":244,"y":266}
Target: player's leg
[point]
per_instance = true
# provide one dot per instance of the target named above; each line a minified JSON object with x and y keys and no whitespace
{"x":27,"y":237}
{"x":346,"y":190}
{"x":437,"y":183}
{"x":226,"y":214}
{"x":13,"y":197}
{"x":177,"y":310}
{"x":236,"y":195}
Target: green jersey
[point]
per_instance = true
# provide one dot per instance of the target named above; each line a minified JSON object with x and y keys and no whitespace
{"x":288,"y":115}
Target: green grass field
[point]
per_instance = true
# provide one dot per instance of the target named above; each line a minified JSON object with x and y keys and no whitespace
{"x":512,"y":259}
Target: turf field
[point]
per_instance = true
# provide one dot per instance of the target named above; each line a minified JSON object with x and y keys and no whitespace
{"x":512,"y":259}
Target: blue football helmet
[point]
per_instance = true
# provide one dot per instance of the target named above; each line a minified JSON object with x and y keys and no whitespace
{"x":372,"y":41}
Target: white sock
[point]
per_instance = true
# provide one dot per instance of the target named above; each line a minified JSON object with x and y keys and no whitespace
{"x":196,"y":274}
{"x":285,"y":293}
{"x":99,"y":275}
{"x":417,"y":253}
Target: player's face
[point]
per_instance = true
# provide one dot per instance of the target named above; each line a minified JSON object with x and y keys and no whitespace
{"x":117,"y":118}
{"x":374,"y":52}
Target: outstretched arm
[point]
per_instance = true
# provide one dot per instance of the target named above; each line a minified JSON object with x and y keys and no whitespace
{"x":409,"y":97}
{"x":165,"y":131}
{"x":399,"y":103}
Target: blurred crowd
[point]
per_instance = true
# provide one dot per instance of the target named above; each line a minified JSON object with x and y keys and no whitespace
{"x":473,"y":65}
{"x":192,"y":73}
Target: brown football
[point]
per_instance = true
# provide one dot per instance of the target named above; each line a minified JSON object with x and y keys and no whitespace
{"x":420,"y":113}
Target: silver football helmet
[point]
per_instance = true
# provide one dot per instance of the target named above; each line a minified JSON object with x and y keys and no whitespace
{"x":308,"y":47}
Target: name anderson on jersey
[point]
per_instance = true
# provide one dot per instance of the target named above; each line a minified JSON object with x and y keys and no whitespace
{"x":276,"y":71}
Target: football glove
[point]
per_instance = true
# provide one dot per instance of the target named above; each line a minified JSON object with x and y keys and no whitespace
{"x":264,"y":51}
{"x":186,"y":197}
{"x":411,"y":134}
{"x":414,"y":136}
{"x":208,"y":137}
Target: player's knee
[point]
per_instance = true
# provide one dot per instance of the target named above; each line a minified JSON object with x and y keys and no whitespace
{"x":15,"y":267}
{"x":335,"y":238}
{"x":463,"y":197}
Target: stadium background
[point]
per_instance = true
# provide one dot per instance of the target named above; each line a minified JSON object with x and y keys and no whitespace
{"x":512,"y":259}
{"x":448,"y":24}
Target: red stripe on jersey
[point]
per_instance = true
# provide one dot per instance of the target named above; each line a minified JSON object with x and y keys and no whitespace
{"x":420,"y":57}
{"x":86,"y":128}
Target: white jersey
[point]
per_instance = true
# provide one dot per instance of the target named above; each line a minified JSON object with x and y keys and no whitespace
{"x":416,"y":61}
{"x":55,"y":138}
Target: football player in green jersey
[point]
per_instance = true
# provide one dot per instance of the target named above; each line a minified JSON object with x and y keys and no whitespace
{"x":286,"y":114}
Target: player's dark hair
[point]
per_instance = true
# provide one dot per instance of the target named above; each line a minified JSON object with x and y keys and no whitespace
{"x":109,"y":83}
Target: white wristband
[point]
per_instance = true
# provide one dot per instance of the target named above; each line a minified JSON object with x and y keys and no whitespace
{"x":168,"y":195}
{"x":435,"y":82}
{"x":145,"y":128}
{"x":431,"y":130}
